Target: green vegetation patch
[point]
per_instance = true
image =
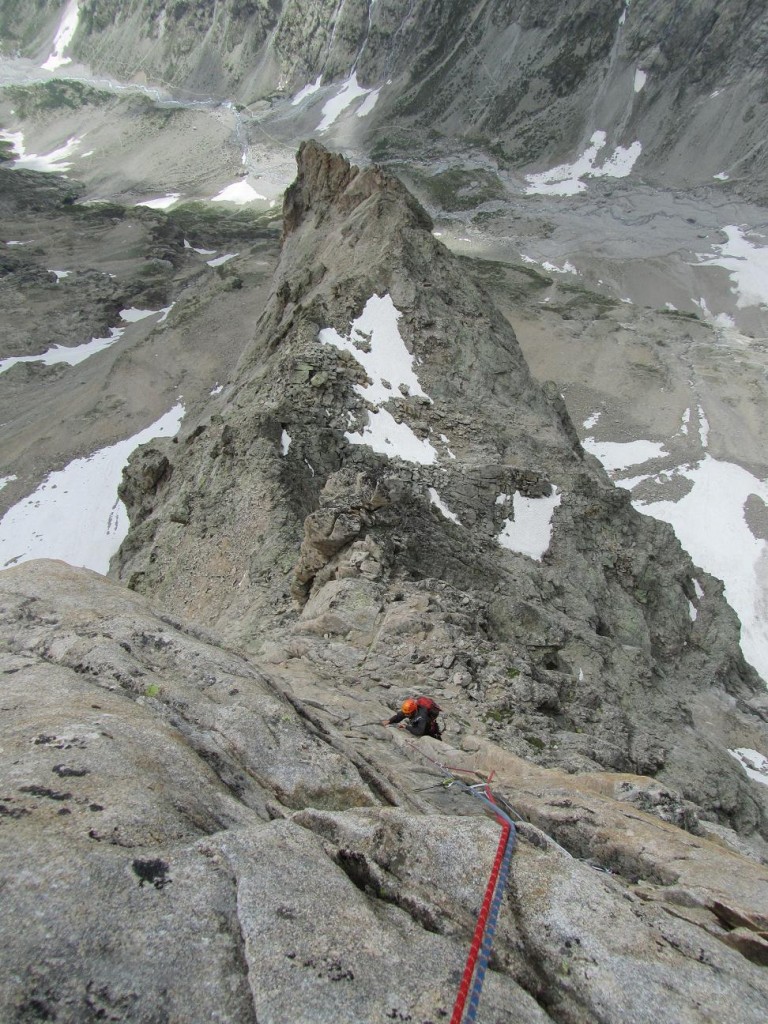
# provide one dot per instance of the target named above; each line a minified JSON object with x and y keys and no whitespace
{"x":202,"y":222}
{"x":460,"y":189}
{"x":512,"y":282}
{"x":57,"y":94}
{"x":6,"y":151}
{"x":684,"y":314}
{"x":578,"y":299}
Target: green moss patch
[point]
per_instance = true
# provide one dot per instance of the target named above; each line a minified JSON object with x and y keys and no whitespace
{"x":57,"y":94}
{"x":459,"y":189}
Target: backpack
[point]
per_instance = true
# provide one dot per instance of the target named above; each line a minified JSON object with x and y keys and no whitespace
{"x":432,"y":709}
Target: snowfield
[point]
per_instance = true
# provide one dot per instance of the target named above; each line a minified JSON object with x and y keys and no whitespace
{"x":709,"y":521}
{"x":566,"y":179}
{"x":375,"y":342}
{"x":75,"y":515}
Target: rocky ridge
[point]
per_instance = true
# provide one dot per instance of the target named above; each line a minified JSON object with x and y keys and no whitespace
{"x":587,"y":658}
{"x":191,"y":838}
{"x":148,"y":758}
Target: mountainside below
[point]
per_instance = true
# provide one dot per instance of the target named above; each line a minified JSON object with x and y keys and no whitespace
{"x":455,"y":534}
{"x":678,"y":84}
{"x":132,"y":284}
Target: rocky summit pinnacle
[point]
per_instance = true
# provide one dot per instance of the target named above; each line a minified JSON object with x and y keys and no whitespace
{"x":383,"y":494}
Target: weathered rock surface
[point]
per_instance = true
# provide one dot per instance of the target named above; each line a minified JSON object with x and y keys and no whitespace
{"x":185,"y":841}
{"x":267,"y":521}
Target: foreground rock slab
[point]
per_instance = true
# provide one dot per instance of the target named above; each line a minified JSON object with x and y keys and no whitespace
{"x":181,"y":840}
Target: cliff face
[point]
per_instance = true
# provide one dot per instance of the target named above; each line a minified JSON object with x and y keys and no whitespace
{"x":190,"y":838}
{"x":384,"y":494}
{"x":526,"y":81}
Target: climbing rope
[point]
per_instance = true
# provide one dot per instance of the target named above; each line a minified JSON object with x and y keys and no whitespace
{"x":481,"y":946}
{"x":493,"y":917}
{"x":485,"y":928}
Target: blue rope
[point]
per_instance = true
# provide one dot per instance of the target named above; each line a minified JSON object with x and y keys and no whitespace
{"x":484,"y":956}
{"x":470,"y":1014}
{"x":490,"y":931}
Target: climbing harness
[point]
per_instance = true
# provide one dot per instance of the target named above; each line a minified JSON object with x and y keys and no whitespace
{"x":470,"y":987}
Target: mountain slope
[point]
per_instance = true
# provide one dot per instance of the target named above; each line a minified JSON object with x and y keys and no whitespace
{"x":520,"y":79}
{"x":187,"y":840}
{"x":426,"y":499}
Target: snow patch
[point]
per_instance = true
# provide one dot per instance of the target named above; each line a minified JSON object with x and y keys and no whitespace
{"x":308,"y":90}
{"x":368,"y":103}
{"x":530,"y":531}
{"x":64,"y":35}
{"x":62,"y":354}
{"x":202,"y":252}
{"x":722,"y":176}
{"x":162,"y":202}
{"x":753,"y":762}
{"x":220,"y":260}
{"x":617,"y":455}
{"x":240,"y":193}
{"x":640,"y":79}
{"x":75,"y":354}
{"x":565,"y":179}
{"x":55,"y":162}
{"x":75,"y":514}
{"x":710,"y":524}
{"x":385,"y":435}
{"x":746,"y":263}
{"x":285,"y":442}
{"x":133,"y":315}
{"x":591,"y":421}
{"x":703,"y":428}
{"x":567,"y":268}
{"x":446,"y":442}
{"x":345,"y":97}
{"x":5,"y":480}
{"x":375,"y":342}
{"x":438,"y":502}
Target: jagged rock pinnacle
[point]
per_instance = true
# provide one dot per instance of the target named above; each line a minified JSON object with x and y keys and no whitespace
{"x":325,"y":178}
{"x":378,"y":364}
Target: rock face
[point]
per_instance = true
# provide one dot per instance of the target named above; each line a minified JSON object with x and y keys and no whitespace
{"x":526,"y":81}
{"x":366,"y":497}
{"x":187,"y":839}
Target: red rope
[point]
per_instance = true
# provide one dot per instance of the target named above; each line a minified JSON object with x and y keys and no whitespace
{"x":477,"y":938}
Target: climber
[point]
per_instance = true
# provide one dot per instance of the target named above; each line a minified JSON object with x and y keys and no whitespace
{"x":419,"y":716}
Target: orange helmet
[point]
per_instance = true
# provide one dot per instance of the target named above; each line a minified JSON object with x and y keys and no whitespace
{"x":409,"y":706}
